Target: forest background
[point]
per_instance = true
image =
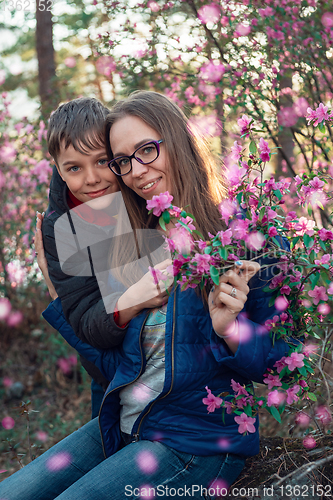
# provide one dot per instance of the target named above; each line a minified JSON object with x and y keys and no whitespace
{"x":218,"y":60}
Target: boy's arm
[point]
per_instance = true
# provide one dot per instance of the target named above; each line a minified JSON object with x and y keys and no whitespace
{"x":80,"y":296}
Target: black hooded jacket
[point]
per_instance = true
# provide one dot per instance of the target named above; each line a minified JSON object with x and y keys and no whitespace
{"x":80,"y":295}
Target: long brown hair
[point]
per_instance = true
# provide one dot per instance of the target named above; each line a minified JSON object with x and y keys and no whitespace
{"x":198,"y":185}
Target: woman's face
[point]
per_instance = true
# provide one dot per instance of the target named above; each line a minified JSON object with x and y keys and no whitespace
{"x":126,"y":135}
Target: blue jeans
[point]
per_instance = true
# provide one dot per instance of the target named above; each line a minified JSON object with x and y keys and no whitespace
{"x":76,"y":469}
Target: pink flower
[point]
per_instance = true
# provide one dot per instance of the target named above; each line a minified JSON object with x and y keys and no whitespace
{"x":245,"y":423}
{"x":302,"y":419}
{"x":316,"y":183}
{"x":295,"y":360}
{"x":64,"y":365}
{"x":8,"y":423}
{"x":309,"y":442}
{"x":157,"y":275}
{"x":323,"y":414}
{"x":242,"y":30}
{"x":211,"y":401}
{"x":225,"y":237}
{"x":14,"y":318}
{"x":325,"y":234}
{"x":105,"y":65}
{"x":304,"y":226}
{"x":154,"y":7}
{"x":287,"y":117}
{"x":321,"y":113}
{"x":238,"y":388}
{"x":318,"y":293}
{"x":264,"y":150}
{"x":244,"y":124}
{"x":324,"y":260}
{"x":42,"y":436}
{"x":330,"y":288}
{"x":159,"y":203}
{"x":275,"y":398}
{"x":70,"y":62}
{"x":271,"y":323}
{"x":291,"y":394}
{"x":285,"y":290}
{"x":236,"y":150}
{"x":182,"y":240}
{"x":5,"y":308}
{"x":309,"y":349}
{"x":327,"y":19}
{"x":272,"y":381}
{"x":212,"y":72}
{"x":280,"y":364}
{"x":202,"y":262}
{"x":300,"y":106}
{"x":209,"y":13}
{"x":272,"y":232}
{"x":255,"y":240}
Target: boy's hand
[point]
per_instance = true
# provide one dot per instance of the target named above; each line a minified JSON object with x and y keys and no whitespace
{"x":41,"y":259}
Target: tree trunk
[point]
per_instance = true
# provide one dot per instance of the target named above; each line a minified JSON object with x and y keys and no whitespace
{"x":285,"y":136}
{"x":45,"y":54}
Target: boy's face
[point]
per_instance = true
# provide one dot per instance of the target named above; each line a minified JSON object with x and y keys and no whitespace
{"x":87,"y":175}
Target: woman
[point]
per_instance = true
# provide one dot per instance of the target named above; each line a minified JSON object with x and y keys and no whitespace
{"x":153,"y":430}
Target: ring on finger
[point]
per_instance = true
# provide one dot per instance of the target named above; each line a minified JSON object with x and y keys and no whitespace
{"x":233,"y":293}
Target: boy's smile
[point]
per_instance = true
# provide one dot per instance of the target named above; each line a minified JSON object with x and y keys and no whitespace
{"x":87,"y":175}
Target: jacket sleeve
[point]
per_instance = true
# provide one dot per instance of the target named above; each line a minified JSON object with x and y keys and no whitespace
{"x":256,"y":351}
{"x":80,"y":295}
{"x":106,"y":360}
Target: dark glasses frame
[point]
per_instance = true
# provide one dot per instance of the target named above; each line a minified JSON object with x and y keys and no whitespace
{"x":157,"y":144}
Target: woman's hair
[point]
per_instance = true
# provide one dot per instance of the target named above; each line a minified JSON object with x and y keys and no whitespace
{"x":197,"y":185}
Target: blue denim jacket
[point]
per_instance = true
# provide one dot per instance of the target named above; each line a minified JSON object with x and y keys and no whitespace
{"x":195,"y":357}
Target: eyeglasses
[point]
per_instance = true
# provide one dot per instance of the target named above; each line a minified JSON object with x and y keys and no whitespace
{"x":145,"y":154}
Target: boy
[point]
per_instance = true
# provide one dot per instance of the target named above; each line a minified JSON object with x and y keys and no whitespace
{"x":76,"y":144}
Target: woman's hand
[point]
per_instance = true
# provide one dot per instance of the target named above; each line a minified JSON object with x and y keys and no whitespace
{"x":41,"y":259}
{"x":146,"y":293}
{"x":226,"y":300}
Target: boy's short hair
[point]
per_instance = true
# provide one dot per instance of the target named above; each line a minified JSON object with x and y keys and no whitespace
{"x":79,"y":123}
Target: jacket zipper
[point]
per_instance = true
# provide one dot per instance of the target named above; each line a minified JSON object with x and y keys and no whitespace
{"x":124,"y":385}
{"x":136,"y":435}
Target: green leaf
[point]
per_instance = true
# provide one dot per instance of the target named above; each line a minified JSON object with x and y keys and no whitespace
{"x":293,"y":242}
{"x":253,"y":147}
{"x":207,"y":250}
{"x":303,"y":371}
{"x":166,"y":216}
{"x":223,"y":253}
{"x":308,"y":241}
{"x":322,"y":244}
{"x":309,"y":210}
{"x":321,"y":127}
{"x":278,"y":194}
{"x":183,"y":213}
{"x":195,"y":231}
{"x":312,"y":396}
{"x":162,"y":223}
{"x":248,"y":410}
{"x":214,"y":275}
{"x":262,"y":213}
{"x":274,"y":412}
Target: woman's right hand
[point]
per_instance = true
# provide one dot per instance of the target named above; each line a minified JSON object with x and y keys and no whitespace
{"x":145,"y":293}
